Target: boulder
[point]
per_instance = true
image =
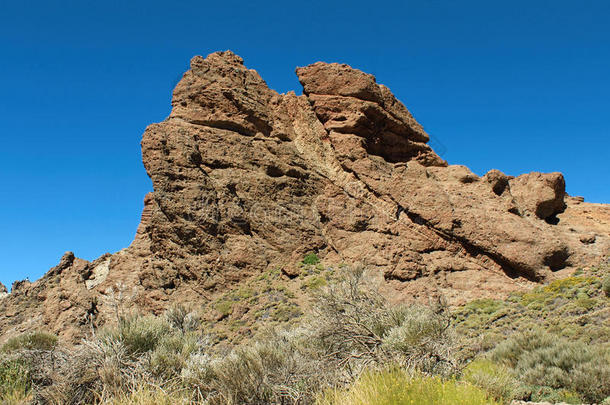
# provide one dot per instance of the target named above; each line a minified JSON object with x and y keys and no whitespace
{"x":539,"y":194}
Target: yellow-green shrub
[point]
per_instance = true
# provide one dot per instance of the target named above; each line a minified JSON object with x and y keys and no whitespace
{"x":31,"y":341}
{"x":496,"y":379}
{"x":148,"y":395}
{"x":15,"y":382}
{"x":397,"y":387}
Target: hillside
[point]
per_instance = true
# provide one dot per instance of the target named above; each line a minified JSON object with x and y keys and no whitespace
{"x":343,"y":345}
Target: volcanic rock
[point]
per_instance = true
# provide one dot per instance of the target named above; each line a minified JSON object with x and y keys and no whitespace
{"x":246,"y":179}
{"x":541,"y":194}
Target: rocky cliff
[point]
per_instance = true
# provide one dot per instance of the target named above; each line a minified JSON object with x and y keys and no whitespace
{"x":246,"y":179}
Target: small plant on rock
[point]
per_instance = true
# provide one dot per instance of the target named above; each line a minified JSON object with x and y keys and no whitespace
{"x":311,"y":259}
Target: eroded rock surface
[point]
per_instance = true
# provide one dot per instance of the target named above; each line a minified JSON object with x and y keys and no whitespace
{"x":246,"y":179}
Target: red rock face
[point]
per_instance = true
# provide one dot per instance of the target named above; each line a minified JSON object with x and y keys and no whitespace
{"x":246,"y":179}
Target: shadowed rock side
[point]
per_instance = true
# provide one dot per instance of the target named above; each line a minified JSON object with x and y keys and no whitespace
{"x":246,"y":179}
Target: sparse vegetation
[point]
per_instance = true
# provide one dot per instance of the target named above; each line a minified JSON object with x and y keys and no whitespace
{"x":182,"y":318}
{"x":314,"y":283}
{"x":349,"y":347}
{"x":137,"y":335}
{"x":573,"y":308}
{"x":551,"y":343}
{"x":276,"y":370}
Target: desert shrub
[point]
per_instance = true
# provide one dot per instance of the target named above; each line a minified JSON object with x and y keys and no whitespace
{"x":285,"y":312}
{"x":30,"y":366}
{"x":159,"y":346}
{"x":551,"y":395}
{"x":606,"y":285}
{"x":276,"y":370}
{"x":397,"y":387}
{"x":171,"y":354}
{"x":590,"y":375}
{"x":354,"y":327}
{"x":116,"y":362}
{"x":15,"y":383}
{"x":495,"y":379}
{"x":181,"y":318}
{"x":43,"y":375}
{"x":138,"y":334}
{"x":349,"y":330}
{"x":420,"y":337}
{"x":91,"y":373}
{"x":224,"y":306}
{"x":549,"y":364}
{"x":311,"y":259}
{"x":149,"y":395}
{"x":347,"y":321}
{"x":314,"y":283}
{"x":31,"y":341}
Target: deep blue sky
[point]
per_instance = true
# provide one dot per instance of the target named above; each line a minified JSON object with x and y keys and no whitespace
{"x":517,"y":86}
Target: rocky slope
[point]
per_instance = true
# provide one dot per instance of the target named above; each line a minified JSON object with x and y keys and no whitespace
{"x":246,"y":179}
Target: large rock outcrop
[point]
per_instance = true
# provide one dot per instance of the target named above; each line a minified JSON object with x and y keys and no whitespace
{"x":246,"y":179}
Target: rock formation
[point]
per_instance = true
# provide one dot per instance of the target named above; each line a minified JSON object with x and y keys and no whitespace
{"x":246,"y":179}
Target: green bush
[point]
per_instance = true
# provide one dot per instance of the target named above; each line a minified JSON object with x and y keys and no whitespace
{"x":171,"y":354}
{"x":31,"y":341}
{"x":114,"y":365}
{"x":421,"y":338}
{"x":549,"y":364}
{"x":224,"y":306}
{"x":496,"y":379}
{"x":396,"y":387}
{"x":138,"y":334}
{"x":311,"y":259}
{"x":15,"y":381}
{"x":276,"y":370}
{"x":314,"y":283}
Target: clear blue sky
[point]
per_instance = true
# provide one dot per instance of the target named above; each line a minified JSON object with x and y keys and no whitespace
{"x":517,"y":86}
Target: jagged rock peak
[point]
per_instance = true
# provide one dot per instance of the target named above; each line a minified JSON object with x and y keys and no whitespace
{"x":246,"y":180}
